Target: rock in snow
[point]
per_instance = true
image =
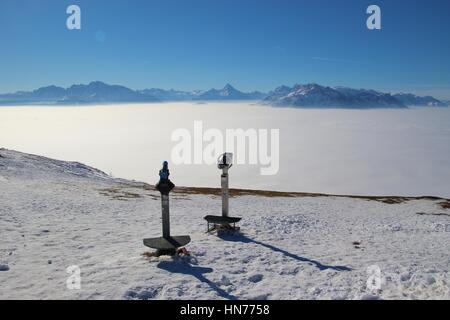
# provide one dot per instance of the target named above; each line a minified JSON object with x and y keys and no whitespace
{"x":292,"y":246}
{"x":4,"y":267}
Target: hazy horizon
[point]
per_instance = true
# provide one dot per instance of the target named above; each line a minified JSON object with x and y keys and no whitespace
{"x":366,"y":152}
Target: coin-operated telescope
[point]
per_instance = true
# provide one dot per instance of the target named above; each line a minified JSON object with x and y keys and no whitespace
{"x":166,"y":245}
{"x":223,"y":222}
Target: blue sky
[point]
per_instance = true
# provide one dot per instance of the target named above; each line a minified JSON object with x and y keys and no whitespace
{"x":252,"y":44}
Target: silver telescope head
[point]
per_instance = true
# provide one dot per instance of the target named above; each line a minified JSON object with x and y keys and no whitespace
{"x":225,"y":160}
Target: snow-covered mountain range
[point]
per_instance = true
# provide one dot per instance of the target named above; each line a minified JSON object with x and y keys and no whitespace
{"x":229,"y":93}
{"x":226,"y":93}
{"x":99,"y":92}
{"x":314,"y":95}
{"x":309,"y":95}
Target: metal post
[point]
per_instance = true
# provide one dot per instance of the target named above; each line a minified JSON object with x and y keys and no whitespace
{"x":165,"y":215}
{"x":225,"y":193}
{"x":166,"y":245}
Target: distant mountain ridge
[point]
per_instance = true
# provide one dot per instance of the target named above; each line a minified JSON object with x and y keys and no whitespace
{"x":300,"y":95}
{"x":229,"y":93}
{"x":226,"y":93}
{"x":167,"y":95}
{"x":413,"y":100}
{"x":317,"y":96}
{"x":314,"y":95}
{"x":100,"y":92}
{"x":94,"y":92}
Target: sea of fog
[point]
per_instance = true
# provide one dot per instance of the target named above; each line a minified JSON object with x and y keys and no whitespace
{"x":364,"y":152}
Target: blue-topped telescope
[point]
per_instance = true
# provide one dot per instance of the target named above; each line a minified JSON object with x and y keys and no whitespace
{"x":166,"y":245}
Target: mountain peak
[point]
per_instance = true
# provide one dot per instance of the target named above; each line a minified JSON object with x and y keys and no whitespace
{"x":228,"y":87}
{"x":98,"y":84}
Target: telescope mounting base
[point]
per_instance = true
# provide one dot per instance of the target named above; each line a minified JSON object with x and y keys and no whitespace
{"x":167,"y":246}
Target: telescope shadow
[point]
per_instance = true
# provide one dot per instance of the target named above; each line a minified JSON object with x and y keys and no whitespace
{"x":182,"y":267}
{"x":239,"y":237}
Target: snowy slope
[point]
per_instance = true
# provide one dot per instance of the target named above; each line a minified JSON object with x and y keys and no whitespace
{"x":56,"y":214}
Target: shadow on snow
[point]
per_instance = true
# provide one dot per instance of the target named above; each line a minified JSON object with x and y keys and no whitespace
{"x":181,"y":267}
{"x":238,"y":237}
{"x":177,"y":266}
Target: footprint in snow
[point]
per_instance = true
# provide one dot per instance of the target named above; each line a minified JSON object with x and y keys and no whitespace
{"x":255,"y":278}
{"x":142,"y":293}
{"x":224,"y":281}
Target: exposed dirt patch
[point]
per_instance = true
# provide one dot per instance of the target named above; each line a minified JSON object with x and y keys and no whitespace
{"x":278,"y":194}
{"x":274,"y":194}
{"x":445,"y":204}
{"x":149,"y":254}
{"x":234,"y":192}
{"x":393,"y":200}
{"x":119,"y":194}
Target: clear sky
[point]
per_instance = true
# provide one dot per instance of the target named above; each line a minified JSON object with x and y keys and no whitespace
{"x":252,"y":44}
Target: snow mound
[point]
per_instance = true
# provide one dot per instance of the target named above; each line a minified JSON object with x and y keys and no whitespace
{"x":33,"y":166}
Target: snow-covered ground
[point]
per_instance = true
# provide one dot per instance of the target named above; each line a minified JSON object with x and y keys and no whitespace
{"x":57,"y":214}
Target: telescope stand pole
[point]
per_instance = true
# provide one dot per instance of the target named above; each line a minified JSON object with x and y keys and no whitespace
{"x":225,"y":193}
{"x":165,"y":215}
